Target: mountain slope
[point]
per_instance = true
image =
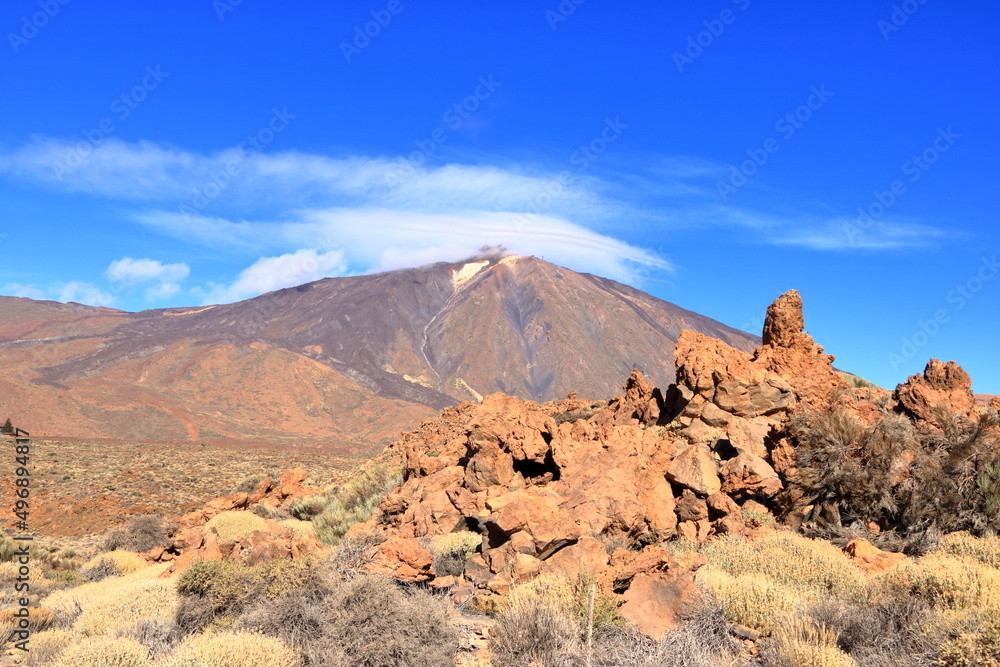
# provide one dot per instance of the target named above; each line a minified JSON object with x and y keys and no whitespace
{"x":345,"y":362}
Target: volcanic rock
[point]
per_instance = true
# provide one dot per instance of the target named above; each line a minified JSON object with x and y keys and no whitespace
{"x":941,"y":386}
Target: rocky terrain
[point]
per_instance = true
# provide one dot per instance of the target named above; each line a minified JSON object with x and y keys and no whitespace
{"x":347,"y":363}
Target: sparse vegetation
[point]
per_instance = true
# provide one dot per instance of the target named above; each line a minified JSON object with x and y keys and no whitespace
{"x":912,"y":482}
{"x":451,"y":551}
{"x":230,"y":526}
{"x":236,"y":649}
{"x":141,"y":533}
{"x":353,"y":502}
{"x":104,"y":652}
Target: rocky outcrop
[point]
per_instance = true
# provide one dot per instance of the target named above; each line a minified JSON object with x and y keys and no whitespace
{"x":190,"y":540}
{"x":941,"y":386}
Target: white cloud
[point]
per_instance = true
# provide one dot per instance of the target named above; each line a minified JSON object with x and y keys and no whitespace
{"x":85,"y":293}
{"x":272,"y":273}
{"x":28,"y":291}
{"x":848,"y":235}
{"x":162,"y":292}
{"x":128,"y":272}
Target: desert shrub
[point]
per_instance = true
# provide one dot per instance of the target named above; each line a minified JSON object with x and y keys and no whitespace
{"x":533,"y":627}
{"x":65,"y":578}
{"x":846,"y":472}
{"x":216,"y":592}
{"x":704,"y":640}
{"x":236,"y":649}
{"x":947,"y":582}
{"x":788,"y":559}
{"x":48,"y":645}
{"x":39,"y":618}
{"x":158,"y":636}
{"x":301,"y":529}
{"x":351,"y":553}
{"x":230,"y":526}
{"x":101,"y":605}
{"x":804,"y":643}
{"x":354,"y":502}
{"x":112,"y":564}
{"x":141,"y":533}
{"x":755,"y":600}
{"x":104,"y":652}
{"x":984,"y":549}
{"x":980,"y":649}
{"x":361,"y":621}
{"x":452,"y":550}
{"x":307,"y":508}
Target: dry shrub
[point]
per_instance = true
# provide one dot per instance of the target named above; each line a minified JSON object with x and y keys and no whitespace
{"x":804,"y":643}
{"x":104,"y":652}
{"x":301,"y":529}
{"x":48,"y":645}
{"x":236,"y":649}
{"x":39,"y":618}
{"x":232,"y":525}
{"x":158,"y":636}
{"x":101,"y":606}
{"x":789,"y":560}
{"x":985,"y":549}
{"x":362,"y":621}
{"x":845,"y":472}
{"x":141,"y":533}
{"x":451,"y":551}
{"x":755,"y":600}
{"x":704,"y":640}
{"x":217,"y":592}
{"x":113,"y":564}
{"x":354,"y":502}
{"x":980,"y":649}
{"x":947,"y":582}
{"x":351,"y":553}
{"x":537,"y":628}
{"x":891,"y":630}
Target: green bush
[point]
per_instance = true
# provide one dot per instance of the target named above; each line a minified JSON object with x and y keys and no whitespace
{"x":354,"y":503}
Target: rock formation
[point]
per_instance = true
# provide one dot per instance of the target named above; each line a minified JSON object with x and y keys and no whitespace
{"x":941,"y":386}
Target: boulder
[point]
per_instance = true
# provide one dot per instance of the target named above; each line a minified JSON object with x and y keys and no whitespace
{"x":749,"y":476}
{"x":941,"y":386}
{"x":656,"y":602}
{"x":695,"y":469}
{"x":870,"y":558}
{"x":404,"y":559}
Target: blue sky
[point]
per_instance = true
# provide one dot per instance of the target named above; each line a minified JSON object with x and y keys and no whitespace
{"x":714,"y":154}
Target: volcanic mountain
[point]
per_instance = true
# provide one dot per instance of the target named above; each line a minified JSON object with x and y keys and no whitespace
{"x":342,"y":362}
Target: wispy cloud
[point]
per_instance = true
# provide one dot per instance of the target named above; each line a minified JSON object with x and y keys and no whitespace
{"x":296,"y":210}
{"x":84,"y":292}
{"x":16,"y":289}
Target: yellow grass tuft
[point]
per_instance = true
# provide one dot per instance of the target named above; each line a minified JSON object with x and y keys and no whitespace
{"x":48,"y":645}
{"x":464,"y":542}
{"x":237,"y":649}
{"x":230,"y":526}
{"x":984,"y":549}
{"x":756,"y":600}
{"x":948,"y":582}
{"x":104,"y":652}
{"x":301,"y":529}
{"x":119,"y":563}
{"x":804,"y":643}
{"x":117,"y":601}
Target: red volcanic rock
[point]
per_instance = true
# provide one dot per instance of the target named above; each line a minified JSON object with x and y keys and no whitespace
{"x":403,"y":559}
{"x":941,"y":386}
{"x":784,"y":320}
{"x":749,"y":476}
{"x":654,"y":602}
